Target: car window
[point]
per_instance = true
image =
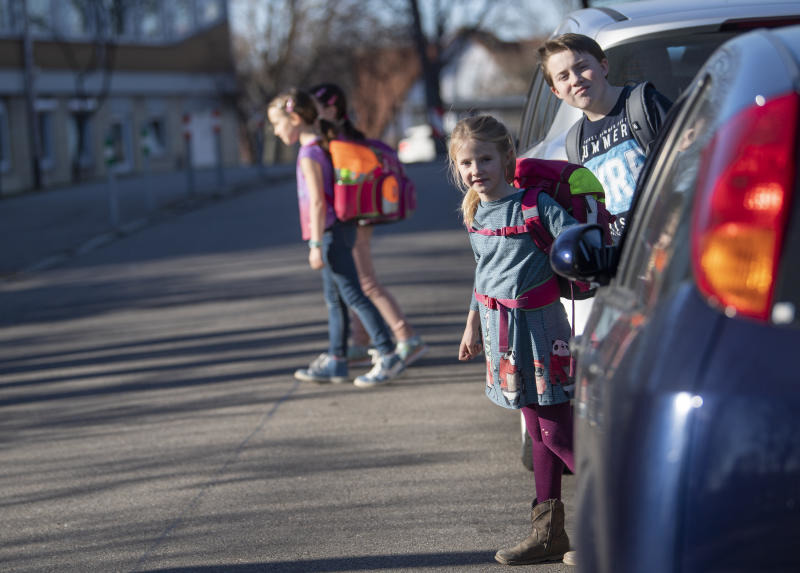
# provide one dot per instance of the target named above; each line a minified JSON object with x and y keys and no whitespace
{"x":656,"y":256}
{"x":669,"y":62}
{"x":540,"y":110}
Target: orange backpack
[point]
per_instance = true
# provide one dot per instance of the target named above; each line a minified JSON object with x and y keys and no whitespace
{"x":370,"y":183}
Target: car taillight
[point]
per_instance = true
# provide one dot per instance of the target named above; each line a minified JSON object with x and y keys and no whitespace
{"x":743,"y":198}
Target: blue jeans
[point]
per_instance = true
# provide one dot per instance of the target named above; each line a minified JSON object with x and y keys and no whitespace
{"x":342,"y":290}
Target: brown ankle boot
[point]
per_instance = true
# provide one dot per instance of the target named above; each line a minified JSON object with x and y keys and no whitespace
{"x":547,"y":542}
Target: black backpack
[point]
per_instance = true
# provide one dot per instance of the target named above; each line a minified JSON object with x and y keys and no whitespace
{"x":643,"y":125}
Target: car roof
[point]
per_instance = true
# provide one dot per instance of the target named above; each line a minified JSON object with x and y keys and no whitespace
{"x":616,"y":23}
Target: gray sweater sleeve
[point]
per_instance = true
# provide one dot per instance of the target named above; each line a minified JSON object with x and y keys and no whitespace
{"x":553,"y":216}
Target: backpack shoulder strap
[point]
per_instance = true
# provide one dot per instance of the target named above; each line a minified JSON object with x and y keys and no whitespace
{"x":530,"y":210}
{"x":573,"y":142}
{"x":636,"y":110}
{"x":644,"y":120}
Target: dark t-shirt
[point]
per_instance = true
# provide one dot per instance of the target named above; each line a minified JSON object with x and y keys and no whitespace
{"x":609,"y":149}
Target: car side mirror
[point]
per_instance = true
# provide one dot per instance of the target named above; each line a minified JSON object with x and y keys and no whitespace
{"x":579,"y":253}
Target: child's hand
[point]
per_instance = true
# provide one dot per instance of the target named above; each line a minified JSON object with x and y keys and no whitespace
{"x":471,"y":344}
{"x":315,"y":258}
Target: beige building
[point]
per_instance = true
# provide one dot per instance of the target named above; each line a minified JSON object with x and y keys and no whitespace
{"x":131,"y":85}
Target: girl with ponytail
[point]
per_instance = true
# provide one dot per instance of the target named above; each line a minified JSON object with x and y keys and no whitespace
{"x":293,"y":116}
{"x":335,"y":122}
{"x":516,"y":318}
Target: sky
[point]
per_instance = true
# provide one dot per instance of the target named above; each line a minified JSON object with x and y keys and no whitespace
{"x":544,"y":16}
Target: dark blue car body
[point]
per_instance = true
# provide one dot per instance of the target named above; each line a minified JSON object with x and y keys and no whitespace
{"x":688,"y":380}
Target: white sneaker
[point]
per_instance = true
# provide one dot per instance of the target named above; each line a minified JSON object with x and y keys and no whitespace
{"x":384,"y":368}
{"x":325,"y":368}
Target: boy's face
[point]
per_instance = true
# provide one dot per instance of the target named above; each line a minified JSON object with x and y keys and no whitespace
{"x":578,"y":78}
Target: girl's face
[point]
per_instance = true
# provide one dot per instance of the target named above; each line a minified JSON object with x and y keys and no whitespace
{"x":285,"y":125}
{"x":482,"y":167}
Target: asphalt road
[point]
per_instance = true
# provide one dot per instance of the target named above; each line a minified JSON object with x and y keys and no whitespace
{"x":149,"y":420}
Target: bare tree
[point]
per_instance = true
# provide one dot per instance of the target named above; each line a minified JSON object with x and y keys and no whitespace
{"x":447,"y":17}
{"x":363,"y":45}
{"x":431,"y":67}
{"x":302,"y":42}
{"x":384,"y":77}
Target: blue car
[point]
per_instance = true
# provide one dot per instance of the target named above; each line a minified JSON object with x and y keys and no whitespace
{"x":688,"y":377}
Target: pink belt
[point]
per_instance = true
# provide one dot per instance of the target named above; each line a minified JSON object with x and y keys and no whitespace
{"x":537,"y":297}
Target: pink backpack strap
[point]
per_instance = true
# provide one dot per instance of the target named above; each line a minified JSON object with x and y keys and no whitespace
{"x":533,"y":225}
{"x":501,"y":232}
{"x":530,"y":210}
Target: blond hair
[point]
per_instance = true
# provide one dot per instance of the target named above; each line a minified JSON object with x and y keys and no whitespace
{"x":482,"y":128}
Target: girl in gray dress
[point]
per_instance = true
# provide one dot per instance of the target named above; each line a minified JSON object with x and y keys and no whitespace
{"x":517,"y":320}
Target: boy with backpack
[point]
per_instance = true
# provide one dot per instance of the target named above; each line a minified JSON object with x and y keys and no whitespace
{"x":618,"y":125}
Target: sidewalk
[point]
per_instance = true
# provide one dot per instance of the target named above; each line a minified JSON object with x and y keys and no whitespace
{"x":40,"y":229}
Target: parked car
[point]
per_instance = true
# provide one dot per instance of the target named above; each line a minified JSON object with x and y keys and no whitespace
{"x":417,"y":145}
{"x":687,"y":425}
{"x":662,"y":41}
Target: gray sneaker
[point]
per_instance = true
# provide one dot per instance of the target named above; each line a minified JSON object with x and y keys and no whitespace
{"x":325,"y":368}
{"x":384,"y":368}
{"x":411,"y":350}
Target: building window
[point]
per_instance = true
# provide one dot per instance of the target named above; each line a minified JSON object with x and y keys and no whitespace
{"x":79,"y":131}
{"x":39,"y":17}
{"x":181,"y":18}
{"x":151,"y":21}
{"x":118,"y":14}
{"x":208,"y":11}
{"x":7,"y":21}
{"x":153,"y":138}
{"x":46,"y":156}
{"x":79,"y":139}
{"x":118,"y":144}
{"x":5,"y":147}
{"x":78,"y":19}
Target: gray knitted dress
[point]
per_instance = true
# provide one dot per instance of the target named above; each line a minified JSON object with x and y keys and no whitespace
{"x":535,"y":367}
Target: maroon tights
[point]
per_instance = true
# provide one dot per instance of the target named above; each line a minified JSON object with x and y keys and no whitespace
{"x":550,"y":429}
